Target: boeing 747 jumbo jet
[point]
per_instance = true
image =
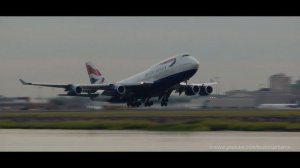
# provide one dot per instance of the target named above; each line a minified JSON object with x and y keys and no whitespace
{"x":160,"y":80}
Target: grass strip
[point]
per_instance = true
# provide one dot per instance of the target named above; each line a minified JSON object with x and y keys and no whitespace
{"x":198,"y":125}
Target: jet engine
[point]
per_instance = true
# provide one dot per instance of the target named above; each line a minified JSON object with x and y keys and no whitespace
{"x":191,"y":90}
{"x":120,"y":90}
{"x":205,"y":90}
{"x":74,"y":90}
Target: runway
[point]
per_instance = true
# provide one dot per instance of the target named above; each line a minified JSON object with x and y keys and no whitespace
{"x":100,"y":140}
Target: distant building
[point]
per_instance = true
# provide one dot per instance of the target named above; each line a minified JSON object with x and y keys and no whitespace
{"x":283,"y":94}
{"x":233,"y":99}
{"x":280,"y":82}
{"x":296,"y":88}
{"x":68,"y":103}
{"x":273,"y":96}
{"x":14,"y":103}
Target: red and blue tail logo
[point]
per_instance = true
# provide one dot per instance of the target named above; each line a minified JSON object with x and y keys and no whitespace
{"x":91,"y":70}
{"x":94,"y":74}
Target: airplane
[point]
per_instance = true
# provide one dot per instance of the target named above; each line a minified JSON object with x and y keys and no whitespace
{"x":160,"y":80}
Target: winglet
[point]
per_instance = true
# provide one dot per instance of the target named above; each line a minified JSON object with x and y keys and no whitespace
{"x":23,"y":82}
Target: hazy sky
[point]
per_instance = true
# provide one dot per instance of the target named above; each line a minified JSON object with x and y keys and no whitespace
{"x":243,"y":51}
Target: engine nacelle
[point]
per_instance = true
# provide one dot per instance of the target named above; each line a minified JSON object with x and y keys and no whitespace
{"x":120,"y":90}
{"x":74,"y":90}
{"x":191,"y":90}
{"x":205,"y":90}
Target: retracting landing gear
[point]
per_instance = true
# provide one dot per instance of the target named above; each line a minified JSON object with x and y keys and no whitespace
{"x":138,"y":102}
{"x":164,"y":100}
{"x":148,"y":103}
{"x":134,"y":103}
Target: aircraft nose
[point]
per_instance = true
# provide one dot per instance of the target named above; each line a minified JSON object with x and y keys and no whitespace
{"x":195,"y":62}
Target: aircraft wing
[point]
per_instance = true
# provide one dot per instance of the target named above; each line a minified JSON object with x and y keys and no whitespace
{"x":111,"y":85}
{"x":90,"y":87}
{"x":44,"y":84}
{"x":206,"y":84}
{"x":201,"y":84}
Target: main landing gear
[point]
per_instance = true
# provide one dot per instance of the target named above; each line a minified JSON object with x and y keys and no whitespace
{"x":134,"y":103}
{"x":137,"y":103}
{"x":148,"y":103}
{"x":164,"y":101}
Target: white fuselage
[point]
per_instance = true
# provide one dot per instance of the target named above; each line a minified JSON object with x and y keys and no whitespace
{"x":181,"y":63}
{"x":163,"y":74}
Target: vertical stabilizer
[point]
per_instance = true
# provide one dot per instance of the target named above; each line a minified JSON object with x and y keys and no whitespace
{"x":94,"y":74}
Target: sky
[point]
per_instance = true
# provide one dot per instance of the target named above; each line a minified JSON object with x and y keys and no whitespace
{"x":242,"y":51}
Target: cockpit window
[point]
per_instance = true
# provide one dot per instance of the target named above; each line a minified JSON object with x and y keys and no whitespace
{"x":185,"y":55}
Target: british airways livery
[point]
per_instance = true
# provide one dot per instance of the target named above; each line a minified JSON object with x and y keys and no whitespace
{"x":160,"y":80}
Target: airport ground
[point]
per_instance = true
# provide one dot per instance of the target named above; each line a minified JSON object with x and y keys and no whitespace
{"x":129,"y":140}
{"x":155,"y":120}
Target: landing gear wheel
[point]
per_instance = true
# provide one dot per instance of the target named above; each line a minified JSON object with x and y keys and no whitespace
{"x":164,"y":103}
{"x":148,"y":103}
